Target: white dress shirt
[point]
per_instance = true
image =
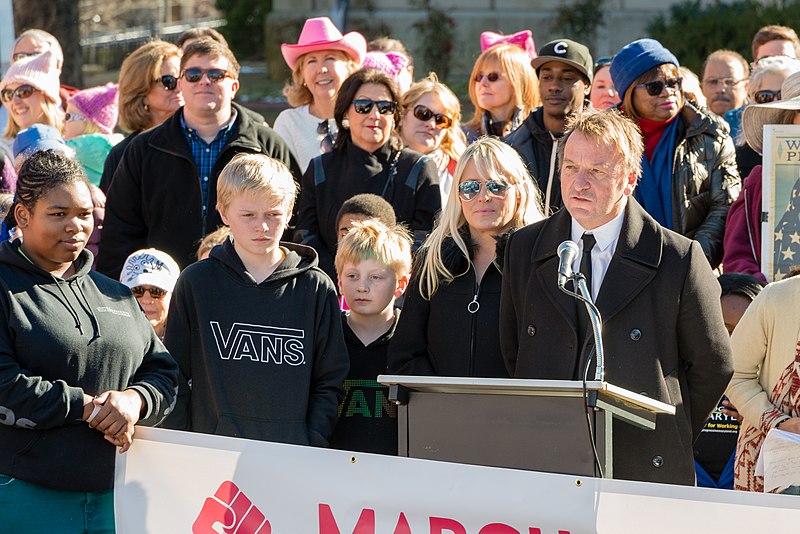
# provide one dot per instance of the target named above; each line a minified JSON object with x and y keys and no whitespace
{"x":606,"y":237}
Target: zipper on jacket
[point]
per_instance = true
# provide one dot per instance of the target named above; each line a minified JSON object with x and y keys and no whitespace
{"x":473,"y":308}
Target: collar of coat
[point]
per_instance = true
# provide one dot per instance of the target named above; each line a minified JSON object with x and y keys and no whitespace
{"x":169,"y":136}
{"x":453,"y":258}
{"x":635,"y":262}
{"x":639,"y":239}
{"x":698,"y":121}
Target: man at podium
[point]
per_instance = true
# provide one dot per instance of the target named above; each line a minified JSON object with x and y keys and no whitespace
{"x":663,"y":331}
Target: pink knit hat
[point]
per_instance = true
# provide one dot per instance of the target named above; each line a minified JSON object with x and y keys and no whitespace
{"x":99,"y":104}
{"x":39,"y":71}
{"x":390,"y":63}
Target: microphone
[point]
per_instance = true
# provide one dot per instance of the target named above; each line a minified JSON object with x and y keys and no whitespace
{"x":567,"y":252}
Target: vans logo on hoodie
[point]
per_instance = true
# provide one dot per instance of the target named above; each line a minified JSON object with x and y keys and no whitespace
{"x":106,"y":309}
{"x":260,"y":343}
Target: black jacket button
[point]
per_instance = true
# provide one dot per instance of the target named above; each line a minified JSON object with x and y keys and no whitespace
{"x":531,"y":330}
{"x":658,"y":461}
{"x":636,"y":334}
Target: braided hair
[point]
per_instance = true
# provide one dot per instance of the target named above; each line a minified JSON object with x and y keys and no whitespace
{"x":40,"y":173}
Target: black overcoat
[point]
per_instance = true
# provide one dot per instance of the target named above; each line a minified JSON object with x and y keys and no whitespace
{"x":663,"y":331}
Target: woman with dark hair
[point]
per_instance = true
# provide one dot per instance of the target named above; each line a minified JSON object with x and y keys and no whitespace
{"x":603,"y":95}
{"x":79,"y":363}
{"x":148,"y":95}
{"x":367,"y":158}
{"x":689,"y":176}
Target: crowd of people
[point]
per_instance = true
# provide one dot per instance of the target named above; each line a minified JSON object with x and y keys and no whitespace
{"x":267,"y":276}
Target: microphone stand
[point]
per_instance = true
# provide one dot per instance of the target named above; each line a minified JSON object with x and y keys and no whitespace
{"x":579,"y":280}
{"x":590,"y":401}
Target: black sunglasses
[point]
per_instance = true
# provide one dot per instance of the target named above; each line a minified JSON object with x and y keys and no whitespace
{"x":470,"y":189}
{"x":169,"y":82}
{"x":492,"y":77}
{"x":656,"y":87}
{"x":765,"y":96}
{"x":22,"y":55}
{"x":23,"y":91}
{"x":156,"y":293}
{"x":364,"y":106}
{"x":194,"y":75}
{"x":424,"y":114}
{"x":324,"y":129}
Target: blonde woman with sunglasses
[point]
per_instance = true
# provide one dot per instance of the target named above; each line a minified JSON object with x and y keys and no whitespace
{"x":449,"y":324}
{"x":431,"y":125}
{"x":30,"y":92}
{"x":503,"y":90}
{"x":368,"y":157}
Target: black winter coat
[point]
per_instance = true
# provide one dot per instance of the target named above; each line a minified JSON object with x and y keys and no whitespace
{"x":705,"y":180}
{"x":536,"y":145}
{"x":332,"y":178}
{"x":155,"y":199}
{"x":664,"y":335}
{"x":441,"y":336}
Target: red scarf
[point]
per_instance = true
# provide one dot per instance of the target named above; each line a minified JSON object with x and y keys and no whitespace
{"x":652,"y":131}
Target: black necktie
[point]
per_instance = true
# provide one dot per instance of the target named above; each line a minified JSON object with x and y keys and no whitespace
{"x":583,"y":314}
{"x":586,"y":261}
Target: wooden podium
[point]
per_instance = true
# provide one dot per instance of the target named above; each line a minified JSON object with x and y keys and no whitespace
{"x":537,"y":425}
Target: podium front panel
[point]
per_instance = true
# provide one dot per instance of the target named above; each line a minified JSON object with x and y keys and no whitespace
{"x":540,"y":433}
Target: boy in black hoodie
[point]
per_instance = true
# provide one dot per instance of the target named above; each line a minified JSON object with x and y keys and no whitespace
{"x":256,"y":328}
{"x":373,"y":263}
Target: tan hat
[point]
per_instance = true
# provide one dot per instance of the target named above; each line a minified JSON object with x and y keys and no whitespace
{"x":756,"y":116}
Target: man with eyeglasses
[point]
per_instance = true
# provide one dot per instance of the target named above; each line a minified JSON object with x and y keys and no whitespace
{"x":663,"y":331}
{"x":724,"y":81}
{"x":163,"y":194}
{"x":565,"y":70}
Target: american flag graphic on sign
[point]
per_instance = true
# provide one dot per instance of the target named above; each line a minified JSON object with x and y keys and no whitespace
{"x":786,"y":251}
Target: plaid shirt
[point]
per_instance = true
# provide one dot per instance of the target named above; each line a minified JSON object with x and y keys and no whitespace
{"x":205,"y":154}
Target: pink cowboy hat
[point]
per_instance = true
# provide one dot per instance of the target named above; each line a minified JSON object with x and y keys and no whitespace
{"x":320,"y":34}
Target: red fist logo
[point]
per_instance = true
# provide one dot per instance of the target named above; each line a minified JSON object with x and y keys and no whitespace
{"x":229,"y":511}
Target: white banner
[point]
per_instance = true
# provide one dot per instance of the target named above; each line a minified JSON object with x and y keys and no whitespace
{"x":176,"y":482}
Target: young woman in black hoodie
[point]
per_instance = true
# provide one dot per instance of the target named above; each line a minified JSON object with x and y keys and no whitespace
{"x":79,"y":363}
{"x":456,"y":283}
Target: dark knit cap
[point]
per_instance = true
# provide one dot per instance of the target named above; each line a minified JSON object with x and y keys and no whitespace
{"x":635,"y":59}
{"x":569,"y":52}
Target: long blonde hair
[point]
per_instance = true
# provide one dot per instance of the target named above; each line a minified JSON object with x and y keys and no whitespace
{"x":516,"y":65}
{"x":454,"y":142}
{"x":494,"y":160}
{"x":53,"y":116}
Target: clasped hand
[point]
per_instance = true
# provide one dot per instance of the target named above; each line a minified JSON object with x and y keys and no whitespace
{"x":119,"y":412}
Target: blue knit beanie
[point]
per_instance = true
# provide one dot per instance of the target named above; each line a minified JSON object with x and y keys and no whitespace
{"x":635,"y":59}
